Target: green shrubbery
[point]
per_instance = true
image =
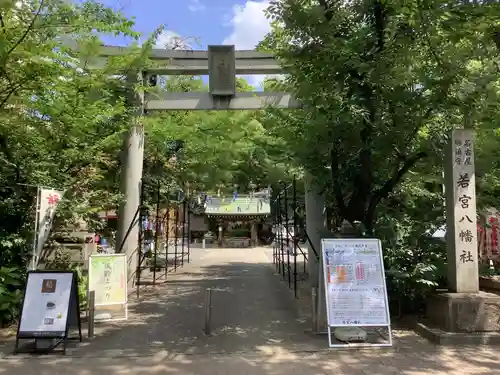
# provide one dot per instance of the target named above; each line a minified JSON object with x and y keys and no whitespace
{"x":11,"y":285}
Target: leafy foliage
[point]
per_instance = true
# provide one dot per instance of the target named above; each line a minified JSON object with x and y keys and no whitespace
{"x":382,"y":84}
{"x":63,"y":115}
{"x":60,"y":123}
{"x":221,"y":149}
{"x":11,"y":281}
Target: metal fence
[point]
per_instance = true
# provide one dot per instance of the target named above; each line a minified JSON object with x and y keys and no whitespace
{"x":286,"y":246}
{"x":165,"y":244}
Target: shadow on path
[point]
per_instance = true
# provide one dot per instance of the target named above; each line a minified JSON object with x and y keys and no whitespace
{"x":255,"y":327}
{"x":251,"y":309}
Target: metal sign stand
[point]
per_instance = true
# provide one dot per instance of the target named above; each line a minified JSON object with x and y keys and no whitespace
{"x":354,"y":323}
{"x":53,"y":339}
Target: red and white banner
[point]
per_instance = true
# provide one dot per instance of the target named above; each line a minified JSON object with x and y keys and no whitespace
{"x":489,"y":235}
{"x":48,"y":202}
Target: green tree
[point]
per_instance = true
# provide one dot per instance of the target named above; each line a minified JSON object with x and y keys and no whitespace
{"x":221,"y":148}
{"x":60,"y":121}
{"x":62,"y":116}
{"x":382,"y":83}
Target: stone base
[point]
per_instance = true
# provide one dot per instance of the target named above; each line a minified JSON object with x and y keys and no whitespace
{"x":462,"y":318}
{"x":440,"y":337}
{"x":465,"y":312}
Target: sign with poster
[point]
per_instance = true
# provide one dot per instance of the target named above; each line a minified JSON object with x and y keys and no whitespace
{"x":108,"y":281}
{"x":50,"y":307}
{"x":355,"y":288}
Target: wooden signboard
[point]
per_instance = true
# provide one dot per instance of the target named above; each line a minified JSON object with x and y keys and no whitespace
{"x":50,"y":309}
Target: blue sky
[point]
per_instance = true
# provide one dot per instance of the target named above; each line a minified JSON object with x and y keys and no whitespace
{"x":199,"y":22}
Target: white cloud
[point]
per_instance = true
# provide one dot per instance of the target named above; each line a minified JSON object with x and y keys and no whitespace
{"x":249,"y":26}
{"x":196,"y":6}
{"x":169,"y":39}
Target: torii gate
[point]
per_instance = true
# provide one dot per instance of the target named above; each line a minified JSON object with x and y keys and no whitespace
{"x":221,"y":63}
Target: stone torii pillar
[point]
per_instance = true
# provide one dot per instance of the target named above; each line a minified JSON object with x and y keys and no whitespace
{"x":222,"y":64}
{"x":315,"y":227}
{"x":131,"y":184}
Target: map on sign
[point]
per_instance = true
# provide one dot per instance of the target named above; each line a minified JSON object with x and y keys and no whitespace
{"x":354,"y":282}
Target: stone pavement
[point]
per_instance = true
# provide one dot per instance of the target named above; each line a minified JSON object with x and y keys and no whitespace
{"x":256,"y":330}
{"x":281,"y":362}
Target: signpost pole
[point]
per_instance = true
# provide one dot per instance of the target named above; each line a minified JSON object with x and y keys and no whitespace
{"x":461,"y":226}
{"x":208,"y":310}
{"x":91,"y":316}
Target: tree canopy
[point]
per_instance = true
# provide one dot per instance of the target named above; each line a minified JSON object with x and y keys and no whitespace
{"x":382,"y":82}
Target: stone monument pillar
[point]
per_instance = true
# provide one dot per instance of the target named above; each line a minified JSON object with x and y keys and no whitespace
{"x":461,"y":223}
{"x":464,"y":314}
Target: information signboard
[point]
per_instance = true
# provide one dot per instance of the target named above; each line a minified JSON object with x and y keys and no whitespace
{"x":355,"y":288}
{"x":108,"y":281}
{"x":50,"y":307}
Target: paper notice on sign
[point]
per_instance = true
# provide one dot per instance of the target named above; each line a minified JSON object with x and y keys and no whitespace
{"x":108,"y":278}
{"x":355,"y":283}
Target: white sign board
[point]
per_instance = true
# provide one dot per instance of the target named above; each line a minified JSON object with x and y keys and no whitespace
{"x":108,"y":280}
{"x":355,"y":288}
{"x":46,"y":304}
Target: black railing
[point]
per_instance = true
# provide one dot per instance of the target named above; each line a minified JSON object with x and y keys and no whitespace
{"x":311,"y":245}
{"x":286,"y":244}
{"x":164,"y":243}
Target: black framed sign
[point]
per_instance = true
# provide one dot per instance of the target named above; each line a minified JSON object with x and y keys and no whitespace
{"x":50,"y":309}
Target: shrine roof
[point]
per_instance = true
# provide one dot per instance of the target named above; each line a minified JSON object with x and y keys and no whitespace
{"x":242,"y":216}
